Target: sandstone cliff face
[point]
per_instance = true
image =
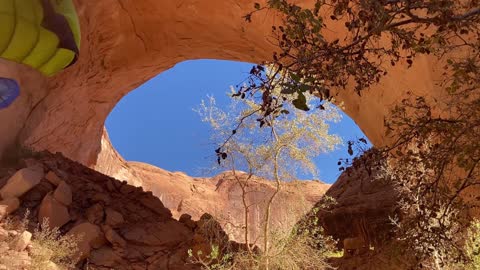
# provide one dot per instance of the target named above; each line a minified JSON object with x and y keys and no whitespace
{"x":219,"y":196}
{"x":123,"y":227}
{"x":125,"y":43}
{"x":364,"y":204}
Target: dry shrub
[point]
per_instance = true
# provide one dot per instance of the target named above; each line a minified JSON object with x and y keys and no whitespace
{"x":47,"y":246}
{"x":472,"y":248}
{"x":302,"y":247}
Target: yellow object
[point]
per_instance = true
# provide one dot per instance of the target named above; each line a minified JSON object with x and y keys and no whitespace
{"x":44,"y":34}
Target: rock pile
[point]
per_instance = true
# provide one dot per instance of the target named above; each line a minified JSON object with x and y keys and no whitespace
{"x":14,"y":249}
{"x":120,"y":226}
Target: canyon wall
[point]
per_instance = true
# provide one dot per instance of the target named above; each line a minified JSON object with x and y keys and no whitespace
{"x":126,"y":42}
{"x":115,"y":225}
{"x":220,"y":196}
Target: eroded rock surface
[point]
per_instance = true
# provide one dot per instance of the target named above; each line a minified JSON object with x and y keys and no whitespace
{"x":120,"y":226}
{"x":125,"y":43}
{"x":220,"y":195}
{"x":360,"y":218}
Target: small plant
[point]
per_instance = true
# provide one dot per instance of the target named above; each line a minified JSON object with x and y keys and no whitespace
{"x":472,"y":247}
{"x":303,"y":247}
{"x":46,"y":248}
{"x":212,"y":261}
{"x":286,"y":147}
{"x":48,"y":245}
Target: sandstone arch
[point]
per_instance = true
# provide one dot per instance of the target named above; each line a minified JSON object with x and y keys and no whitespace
{"x":126,"y":42}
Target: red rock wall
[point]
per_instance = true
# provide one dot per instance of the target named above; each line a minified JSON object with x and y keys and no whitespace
{"x":123,"y":227}
{"x":126,"y":42}
{"x":219,"y":196}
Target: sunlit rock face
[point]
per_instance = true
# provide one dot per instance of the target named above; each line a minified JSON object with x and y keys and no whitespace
{"x":221,"y":196}
{"x":125,"y":43}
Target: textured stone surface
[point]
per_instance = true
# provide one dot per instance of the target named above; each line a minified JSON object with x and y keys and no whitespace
{"x":106,"y":257}
{"x":141,"y":238}
{"x":21,"y":182}
{"x":95,"y":214}
{"x":9,"y":206}
{"x":364,"y":203}
{"x":113,"y":218}
{"x":63,"y":193}
{"x":90,"y":235}
{"x":113,"y":237}
{"x":125,"y":43}
{"x":53,"y":178}
{"x":3,"y":235}
{"x":22,"y":241}
{"x":55,"y":212}
{"x":220,"y":195}
{"x":52,"y":266}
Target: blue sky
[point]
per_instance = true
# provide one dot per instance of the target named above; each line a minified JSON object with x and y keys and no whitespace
{"x":156,"y":123}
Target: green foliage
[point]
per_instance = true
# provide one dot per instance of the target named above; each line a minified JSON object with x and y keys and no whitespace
{"x":285,"y":147}
{"x":213,"y":261}
{"x":371,"y":37}
{"x":433,"y":163}
{"x":435,"y":166}
{"x":298,"y":137}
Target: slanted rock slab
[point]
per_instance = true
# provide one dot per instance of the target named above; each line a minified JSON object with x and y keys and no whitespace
{"x":113,"y":237}
{"x":113,"y":218}
{"x":3,"y":235}
{"x":8,"y":206}
{"x":22,"y":181}
{"x":106,"y":257}
{"x":63,"y":193}
{"x":53,"y":178}
{"x":89,"y":236}
{"x":55,"y":212}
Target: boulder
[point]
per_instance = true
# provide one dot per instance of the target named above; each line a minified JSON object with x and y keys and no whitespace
{"x":102,"y":197}
{"x":113,"y":218}
{"x":113,"y":237}
{"x":354,"y":246}
{"x":186,"y":219}
{"x":166,"y":234}
{"x":22,"y":181}
{"x":153,"y":203}
{"x":8,"y":206}
{"x":105,"y":256}
{"x":53,"y":178}
{"x":22,"y":260}
{"x":95,"y":214}
{"x":22,"y":241}
{"x":89,"y":236}
{"x":126,"y":189}
{"x":3,"y":248}
{"x":63,"y":193}
{"x":52,"y":210}
{"x":364,"y":203}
